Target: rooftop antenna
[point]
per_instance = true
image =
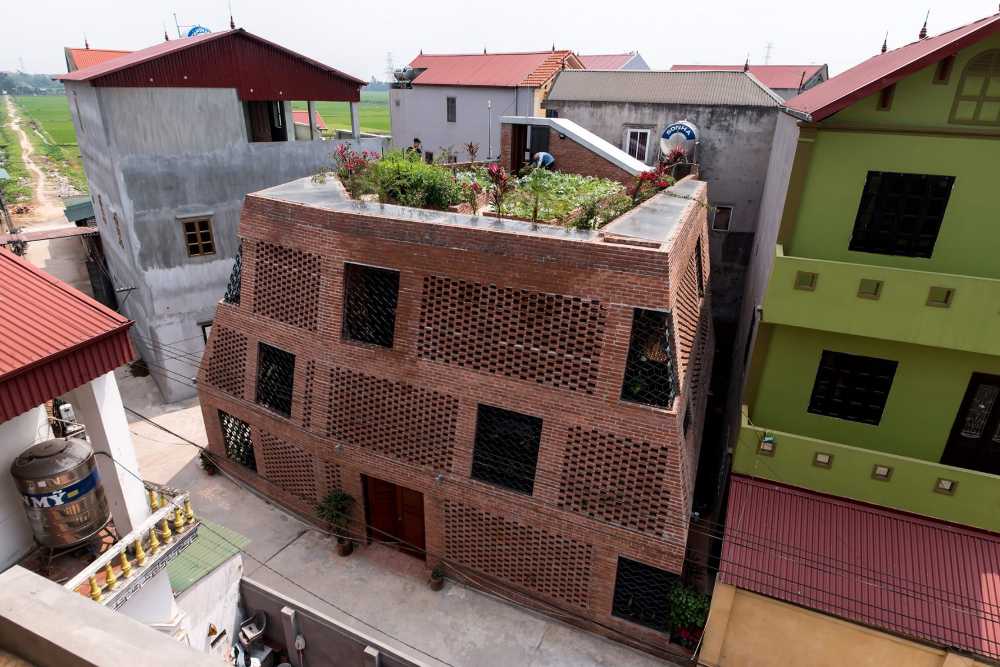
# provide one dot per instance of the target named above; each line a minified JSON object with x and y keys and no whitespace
{"x":553,"y":46}
{"x":232,"y":23}
{"x":767,"y":52}
{"x":177,"y":23}
{"x":484,"y":50}
{"x":923,"y":31}
{"x":885,"y":42}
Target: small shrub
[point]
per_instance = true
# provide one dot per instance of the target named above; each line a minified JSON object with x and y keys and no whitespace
{"x":401,"y":178}
{"x":336,"y":509}
{"x":688,"y":614}
{"x":472,"y":148}
{"x":500,"y":186}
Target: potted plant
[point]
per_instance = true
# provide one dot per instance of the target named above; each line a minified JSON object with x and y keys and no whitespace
{"x":335,"y":508}
{"x":436,"y":581}
{"x":207,"y":464}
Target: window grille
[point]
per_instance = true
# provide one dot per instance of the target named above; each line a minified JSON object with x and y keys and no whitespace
{"x":233,"y":288}
{"x":900,"y":214}
{"x":198,"y":237}
{"x":451,"y":105}
{"x":852,"y":387}
{"x":370,"y":297}
{"x":506,"y":449}
{"x":642,"y":594}
{"x":238,"y":441}
{"x":650,"y":373}
{"x":275,"y":379}
{"x":977,"y":100}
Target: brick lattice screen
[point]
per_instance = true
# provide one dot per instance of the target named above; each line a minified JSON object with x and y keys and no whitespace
{"x":227,"y":365}
{"x":287,"y":285}
{"x":550,"y":339}
{"x":288,"y":467}
{"x":616,"y":479}
{"x":409,"y":423}
{"x":530,"y":557}
{"x":688,"y":313}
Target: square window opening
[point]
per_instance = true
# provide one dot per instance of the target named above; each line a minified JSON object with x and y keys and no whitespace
{"x":852,"y":387}
{"x":637,"y":144}
{"x":506,"y":448}
{"x":275,"y":379}
{"x":198,"y":237}
{"x":900,"y":214}
{"x":642,"y":594}
{"x":723,"y":218}
{"x":650,"y":374}
{"x":940,"y":297}
{"x":806,"y":280}
{"x":370,"y":298}
{"x":869,"y":289}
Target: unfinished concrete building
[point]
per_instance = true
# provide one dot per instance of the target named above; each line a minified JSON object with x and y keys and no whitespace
{"x":172,"y":138}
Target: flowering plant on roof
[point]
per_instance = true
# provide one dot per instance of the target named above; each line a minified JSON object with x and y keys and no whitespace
{"x":351,"y":163}
{"x":500,"y":185}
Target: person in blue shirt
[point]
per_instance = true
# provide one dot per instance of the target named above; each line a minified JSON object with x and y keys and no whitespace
{"x":544,"y":160}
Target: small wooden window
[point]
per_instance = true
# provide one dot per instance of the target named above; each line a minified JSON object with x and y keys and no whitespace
{"x":198,"y":237}
{"x":943,"y":70}
{"x":885,"y":98}
{"x":723,"y":218}
{"x":451,"y":107}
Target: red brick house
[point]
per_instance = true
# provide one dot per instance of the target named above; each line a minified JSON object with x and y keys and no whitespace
{"x":522,"y":403}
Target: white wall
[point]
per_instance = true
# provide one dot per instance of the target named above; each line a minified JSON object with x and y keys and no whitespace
{"x":213,"y":600}
{"x":16,"y":435}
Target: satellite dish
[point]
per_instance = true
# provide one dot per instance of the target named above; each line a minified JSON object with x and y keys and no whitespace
{"x":198,"y":30}
{"x":682,"y":134}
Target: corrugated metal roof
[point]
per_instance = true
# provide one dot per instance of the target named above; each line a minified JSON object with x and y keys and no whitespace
{"x":53,"y":338}
{"x":257,"y":68}
{"x":918,"y":578}
{"x":81,"y":58}
{"x":212,"y":546}
{"x":606,"y":61}
{"x":887,"y":68}
{"x":662,"y":87}
{"x":505,"y":70}
{"x":772,"y":76}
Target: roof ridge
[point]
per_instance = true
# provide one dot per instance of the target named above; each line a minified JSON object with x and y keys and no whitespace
{"x":940,"y":34}
{"x":491,"y":53}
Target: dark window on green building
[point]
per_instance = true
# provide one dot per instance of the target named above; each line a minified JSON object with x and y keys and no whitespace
{"x":506,"y":449}
{"x":852,"y":387}
{"x":901,"y":214}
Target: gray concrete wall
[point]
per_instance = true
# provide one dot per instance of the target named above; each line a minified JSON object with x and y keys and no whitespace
{"x":421,"y":112}
{"x":163,"y":154}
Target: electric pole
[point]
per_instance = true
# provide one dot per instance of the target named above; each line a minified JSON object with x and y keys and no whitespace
{"x":767,"y":52}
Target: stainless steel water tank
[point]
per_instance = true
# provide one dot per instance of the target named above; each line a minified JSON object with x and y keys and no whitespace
{"x":62,"y":492}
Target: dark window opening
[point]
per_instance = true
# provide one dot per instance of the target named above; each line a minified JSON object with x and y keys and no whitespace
{"x":370,"y":297}
{"x":450,"y":105}
{"x":506,"y":449}
{"x":266,"y":121}
{"x":198,"y":237}
{"x":723,"y":218}
{"x":885,"y":98}
{"x":642,"y":594}
{"x":237,"y":440}
{"x":275,"y":379}
{"x":649,"y":369}
{"x":538,"y":140}
{"x":699,"y":268}
{"x":551,"y":113}
{"x":943,"y":71}
{"x":852,"y":387}
{"x":232,"y":294}
{"x":900,"y":214}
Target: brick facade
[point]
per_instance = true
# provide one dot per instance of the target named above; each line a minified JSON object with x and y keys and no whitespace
{"x":529,"y":323}
{"x":570,"y":157}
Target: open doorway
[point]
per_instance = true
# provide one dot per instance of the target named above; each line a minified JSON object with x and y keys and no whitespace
{"x":395,"y":516}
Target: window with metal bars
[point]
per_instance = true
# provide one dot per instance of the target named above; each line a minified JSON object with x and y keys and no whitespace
{"x":370,"y":297}
{"x":900,"y":214}
{"x":275,"y":378}
{"x":650,"y":375}
{"x":506,"y":448}
{"x":198,"y":237}
{"x":852,"y":387}
{"x":232,"y":294}
{"x":642,"y":594}
{"x":237,"y":440}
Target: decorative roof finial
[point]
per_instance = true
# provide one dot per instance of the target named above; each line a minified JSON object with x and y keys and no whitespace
{"x":746,"y":65}
{"x":86,"y":44}
{"x":885,"y":42}
{"x":553,"y":46}
{"x":166,"y":37}
{"x":923,"y":31}
{"x":232,"y":23}
{"x":484,"y":50}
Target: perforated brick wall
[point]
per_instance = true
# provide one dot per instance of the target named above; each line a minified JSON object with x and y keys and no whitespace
{"x":409,"y":423}
{"x":614,"y":478}
{"x":545,"y":338}
{"x":288,"y":467}
{"x":226,"y":366}
{"x":688,"y":314}
{"x":533,"y":558}
{"x":287,"y":285}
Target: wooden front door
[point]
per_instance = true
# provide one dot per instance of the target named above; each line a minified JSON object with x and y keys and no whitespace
{"x":974,"y":442}
{"x":395,"y":515}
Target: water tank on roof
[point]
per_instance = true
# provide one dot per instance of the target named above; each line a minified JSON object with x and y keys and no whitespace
{"x":683,"y":135}
{"x":62,"y":492}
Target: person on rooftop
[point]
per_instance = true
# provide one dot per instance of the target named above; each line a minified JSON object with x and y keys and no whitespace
{"x":416,"y":148}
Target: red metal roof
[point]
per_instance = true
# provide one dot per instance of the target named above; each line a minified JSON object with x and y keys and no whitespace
{"x":302,"y":118}
{"x":772,"y":76}
{"x":53,"y":338}
{"x":505,"y":70}
{"x":887,"y":68}
{"x":922,"y":579}
{"x":257,"y":68}
{"x":607,"y":61}
{"x":81,"y":58}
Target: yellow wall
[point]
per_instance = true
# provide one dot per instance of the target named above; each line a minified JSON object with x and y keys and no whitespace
{"x":749,"y":630}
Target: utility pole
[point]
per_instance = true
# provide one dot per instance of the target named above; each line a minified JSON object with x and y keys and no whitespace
{"x":767,"y":52}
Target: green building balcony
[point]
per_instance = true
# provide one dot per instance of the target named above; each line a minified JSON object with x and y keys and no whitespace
{"x":925,"y":488}
{"x":923,"y":308}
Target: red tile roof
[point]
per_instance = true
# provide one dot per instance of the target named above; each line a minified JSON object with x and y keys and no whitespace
{"x":923,"y":579}
{"x":885,"y":69}
{"x":505,"y":70}
{"x":53,"y":338}
{"x":302,"y":118}
{"x":606,"y":61}
{"x":772,"y":76}
{"x":82,"y":58}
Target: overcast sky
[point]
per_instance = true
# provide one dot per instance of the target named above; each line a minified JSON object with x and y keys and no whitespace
{"x":356,"y":36}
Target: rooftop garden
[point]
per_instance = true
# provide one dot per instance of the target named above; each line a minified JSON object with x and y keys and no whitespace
{"x":537,"y":195}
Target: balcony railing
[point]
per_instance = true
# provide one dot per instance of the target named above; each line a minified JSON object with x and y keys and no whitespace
{"x":118,"y":573}
{"x":924,"y":308}
{"x":922,"y":487}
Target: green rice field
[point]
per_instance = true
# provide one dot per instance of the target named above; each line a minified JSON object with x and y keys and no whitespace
{"x":55,"y":137}
{"x":374,"y":112}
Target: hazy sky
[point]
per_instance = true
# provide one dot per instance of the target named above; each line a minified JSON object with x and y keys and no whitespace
{"x":356,"y":36}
